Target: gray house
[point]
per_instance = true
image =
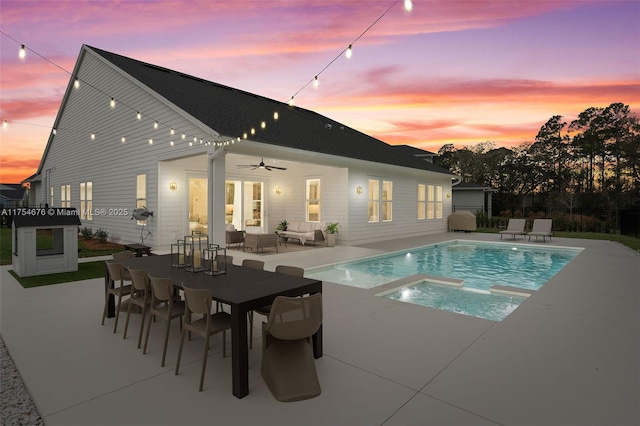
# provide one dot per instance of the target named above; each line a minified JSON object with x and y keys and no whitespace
{"x":201,"y":155}
{"x":472,"y":197}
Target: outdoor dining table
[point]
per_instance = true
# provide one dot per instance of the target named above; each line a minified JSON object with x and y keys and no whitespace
{"x":242,"y":288}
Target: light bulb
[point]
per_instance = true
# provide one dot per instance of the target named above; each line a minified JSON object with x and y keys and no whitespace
{"x":150,"y":141}
{"x":408,"y":5}
{"x":138,"y":115}
{"x":316,"y":82}
{"x":76,"y":83}
{"x":54,"y":131}
{"x":171,"y":143}
{"x":348,"y":52}
{"x":173,"y":132}
{"x":275,"y":115}
{"x":291,"y":101}
{"x":23,"y":52}
{"x":93,"y":136}
{"x":184,"y":136}
{"x":155,"y":125}
{"x":124,"y":139}
{"x":263,"y":125}
{"x":112,"y":103}
{"x":5,"y":124}
{"x":253,"y":131}
{"x":244,"y":135}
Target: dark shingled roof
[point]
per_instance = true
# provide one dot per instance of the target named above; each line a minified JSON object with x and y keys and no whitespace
{"x":60,"y":217}
{"x":228,"y":110}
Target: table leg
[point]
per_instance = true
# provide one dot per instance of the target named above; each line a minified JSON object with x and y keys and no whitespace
{"x":239,"y":352}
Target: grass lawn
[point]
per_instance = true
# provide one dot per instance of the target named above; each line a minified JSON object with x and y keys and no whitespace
{"x":85,"y":271}
{"x":88,"y":248}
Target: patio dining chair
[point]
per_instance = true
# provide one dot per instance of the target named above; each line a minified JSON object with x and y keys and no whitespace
{"x":264,"y":310}
{"x":198,"y":301}
{"x":116,"y":288}
{"x":288,"y":366}
{"x":164,"y":306}
{"x":254,"y":264}
{"x":140,"y":297}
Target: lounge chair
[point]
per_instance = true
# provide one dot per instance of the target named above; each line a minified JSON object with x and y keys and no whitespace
{"x":514,"y":227}
{"x":541,"y":228}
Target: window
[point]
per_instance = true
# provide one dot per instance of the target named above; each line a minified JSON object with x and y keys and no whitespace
{"x":313,"y":200}
{"x":374,"y":201}
{"x":438,"y":202}
{"x":430,"y":202}
{"x":86,"y":200}
{"x":422,"y":207}
{"x":141,"y":193}
{"x":65,"y":196}
{"x":387,"y":201}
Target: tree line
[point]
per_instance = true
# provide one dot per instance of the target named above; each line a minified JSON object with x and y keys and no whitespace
{"x":591,"y":163}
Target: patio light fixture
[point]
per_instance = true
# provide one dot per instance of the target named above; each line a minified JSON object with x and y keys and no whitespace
{"x":173,"y":185}
{"x":359,"y":190}
{"x":278,"y":190}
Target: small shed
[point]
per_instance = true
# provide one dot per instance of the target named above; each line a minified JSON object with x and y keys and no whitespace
{"x":44,"y":240}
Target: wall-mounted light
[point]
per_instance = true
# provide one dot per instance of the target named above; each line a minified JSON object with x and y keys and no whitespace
{"x":359,"y":190}
{"x":278,"y":190}
{"x":448,"y":195}
{"x":173,"y":185}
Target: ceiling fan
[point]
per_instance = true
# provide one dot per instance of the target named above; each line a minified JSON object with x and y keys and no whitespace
{"x":260,"y":166}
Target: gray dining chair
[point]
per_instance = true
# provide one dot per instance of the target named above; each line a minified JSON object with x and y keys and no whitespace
{"x":117,"y":288}
{"x":140,"y":297}
{"x":164,"y":306}
{"x":198,"y":302}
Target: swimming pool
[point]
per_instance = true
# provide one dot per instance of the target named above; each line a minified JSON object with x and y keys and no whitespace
{"x":481,"y":266}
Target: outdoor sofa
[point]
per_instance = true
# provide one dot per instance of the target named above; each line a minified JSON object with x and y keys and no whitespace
{"x":305,"y":231}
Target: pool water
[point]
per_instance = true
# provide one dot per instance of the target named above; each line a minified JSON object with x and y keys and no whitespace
{"x":480,"y":265}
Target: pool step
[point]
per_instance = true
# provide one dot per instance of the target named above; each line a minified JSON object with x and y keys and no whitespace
{"x":512,"y":291}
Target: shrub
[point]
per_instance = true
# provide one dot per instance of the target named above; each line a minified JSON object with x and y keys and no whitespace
{"x":86,"y":232}
{"x":101,"y":235}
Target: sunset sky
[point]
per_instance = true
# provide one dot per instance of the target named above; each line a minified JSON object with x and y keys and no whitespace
{"x":450,"y":71}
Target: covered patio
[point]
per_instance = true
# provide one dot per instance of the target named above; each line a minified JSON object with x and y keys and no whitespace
{"x":567,"y":356}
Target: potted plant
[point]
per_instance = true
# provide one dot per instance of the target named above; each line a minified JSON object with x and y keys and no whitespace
{"x":282,"y":226}
{"x":332,"y":230}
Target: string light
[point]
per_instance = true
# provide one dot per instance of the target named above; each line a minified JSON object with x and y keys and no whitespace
{"x":5,"y":124}
{"x":171,"y":143}
{"x":408,"y":6}
{"x":124,"y":139}
{"x":172,"y":132}
{"x":54,"y":131}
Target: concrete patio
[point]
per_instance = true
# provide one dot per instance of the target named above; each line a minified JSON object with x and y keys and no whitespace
{"x":569,"y":355}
